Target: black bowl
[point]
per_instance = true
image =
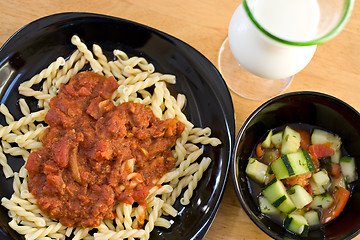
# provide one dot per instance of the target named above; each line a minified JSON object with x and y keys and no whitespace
{"x":311,"y":108}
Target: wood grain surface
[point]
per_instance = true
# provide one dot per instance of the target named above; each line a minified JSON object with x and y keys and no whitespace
{"x":334,"y":69}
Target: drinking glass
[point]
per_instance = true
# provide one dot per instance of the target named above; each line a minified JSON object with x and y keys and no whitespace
{"x":269,"y":41}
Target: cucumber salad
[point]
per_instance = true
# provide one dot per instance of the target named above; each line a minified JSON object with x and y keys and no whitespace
{"x":304,"y":176}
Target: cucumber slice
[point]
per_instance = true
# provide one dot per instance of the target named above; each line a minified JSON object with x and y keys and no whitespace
{"x":292,"y":164}
{"x":321,"y":178}
{"x":312,"y":218}
{"x":322,"y":201}
{"x":320,"y":136}
{"x":266,"y":207}
{"x":348,"y":169}
{"x":300,"y":162}
{"x":291,"y":141}
{"x":257,"y":170}
{"x":267,"y":142}
{"x":336,"y":157}
{"x":275,"y":193}
{"x":297,"y":224}
{"x":309,"y":162}
{"x":281,"y":169}
{"x":299,"y":196}
{"x":316,"y":189}
{"x":276,"y":139}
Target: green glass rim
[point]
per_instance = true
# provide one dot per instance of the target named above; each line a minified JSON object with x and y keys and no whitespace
{"x":345,"y":17}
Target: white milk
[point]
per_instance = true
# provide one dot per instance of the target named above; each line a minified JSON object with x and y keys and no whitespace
{"x":294,"y":20}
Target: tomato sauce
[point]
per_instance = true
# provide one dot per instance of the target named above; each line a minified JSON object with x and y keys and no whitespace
{"x":96,"y":154}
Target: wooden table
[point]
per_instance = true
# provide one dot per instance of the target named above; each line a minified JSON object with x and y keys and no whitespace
{"x":335,"y":68}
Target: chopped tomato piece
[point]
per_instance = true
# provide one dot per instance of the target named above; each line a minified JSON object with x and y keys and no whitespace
{"x":321,"y":150}
{"x":302,"y":180}
{"x":61,"y":153}
{"x":54,"y":180}
{"x":305,"y":137}
{"x":259,"y":151}
{"x":341,"y":197}
{"x":335,"y":170}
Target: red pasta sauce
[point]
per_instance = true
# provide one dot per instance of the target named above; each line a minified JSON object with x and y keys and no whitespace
{"x":96,"y":154}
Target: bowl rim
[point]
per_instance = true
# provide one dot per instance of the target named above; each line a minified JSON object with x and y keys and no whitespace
{"x":234,"y":170}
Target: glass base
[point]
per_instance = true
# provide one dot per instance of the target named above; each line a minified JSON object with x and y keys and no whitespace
{"x":244,"y":83}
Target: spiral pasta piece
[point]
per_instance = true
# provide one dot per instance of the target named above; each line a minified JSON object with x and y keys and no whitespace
{"x":81,"y":233}
{"x":53,"y":67}
{"x":30,"y":135}
{"x":185,"y":200}
{"x":8,"y":172}
{"x":184,"y":182}
{"x":102,"y":60}
{"x":69,"y":64}
{"x":123,"y":234}
{"x":127,"y":91}
{"x":116,"y":71}
{"x":205,"y":140}
{"x":181,"y":100}
{"x":40,"y":222}
{"x":190,"y":159}
{"x":36,"y":116}
{"x":14,"y":151}
{"x":157,"y":204}
{"x":5,"y":111}
{"x":24,"y":107}
{"x":162,"y":222}
{"x":169,"y":176}
{"x":63,"y":79}
{"x":95,"y":65}
{"x":157,"y":99}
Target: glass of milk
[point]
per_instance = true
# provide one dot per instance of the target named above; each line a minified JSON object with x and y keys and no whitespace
{"x":269,"y":41}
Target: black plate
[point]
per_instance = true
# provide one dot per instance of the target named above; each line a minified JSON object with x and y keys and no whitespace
{"x":38,"y":44}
